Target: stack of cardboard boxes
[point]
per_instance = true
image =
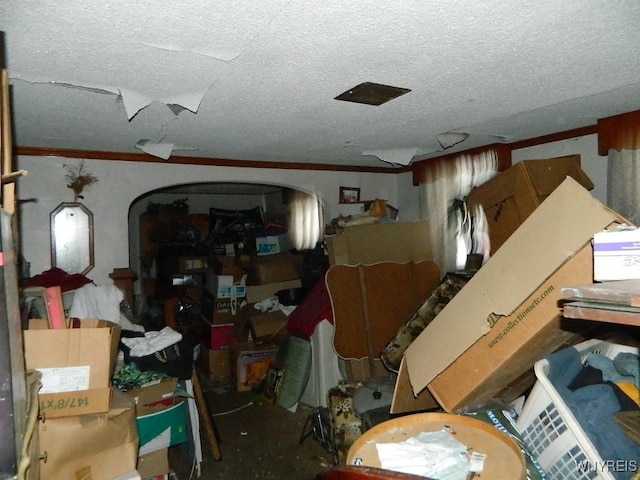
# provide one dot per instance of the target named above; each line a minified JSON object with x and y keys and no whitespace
{"x":485,"y":341}
{"x":161,"y":423}
{"x":87,"y":427}
{"x":244,"y":339}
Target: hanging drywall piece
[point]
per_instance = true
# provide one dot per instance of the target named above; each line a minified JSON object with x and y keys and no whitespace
{"x":133,"y":102}
{"x":399,"y":156}
{"x":188,"y":101}
{"x":449,"y":139}
{"x":161,"y":150}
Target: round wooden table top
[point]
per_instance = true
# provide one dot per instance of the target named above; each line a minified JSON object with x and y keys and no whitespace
{"x":504,"y":459}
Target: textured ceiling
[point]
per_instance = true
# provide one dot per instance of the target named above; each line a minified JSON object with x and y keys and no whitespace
{"x":255,"y":80}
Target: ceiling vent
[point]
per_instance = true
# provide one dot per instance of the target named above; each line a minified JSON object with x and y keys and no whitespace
{"x":371,"y":93}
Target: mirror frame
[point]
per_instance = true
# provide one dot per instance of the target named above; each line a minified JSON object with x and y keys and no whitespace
{"x":67,"y":208}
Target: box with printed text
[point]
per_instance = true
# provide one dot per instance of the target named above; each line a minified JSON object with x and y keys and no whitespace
{"x":616,"y":254}
{"x":76,"y":365}
{"x":508,"y":316}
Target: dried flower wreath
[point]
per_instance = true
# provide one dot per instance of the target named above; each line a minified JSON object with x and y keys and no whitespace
{"x":79,"y":179}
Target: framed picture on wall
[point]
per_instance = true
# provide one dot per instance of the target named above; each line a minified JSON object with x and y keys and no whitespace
{"x":349,"y":195}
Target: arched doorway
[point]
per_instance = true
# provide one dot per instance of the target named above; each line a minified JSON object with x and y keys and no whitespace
{"x":178,"y":219}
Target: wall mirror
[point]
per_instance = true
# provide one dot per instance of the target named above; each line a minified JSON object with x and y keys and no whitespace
{"x":72,"y":238}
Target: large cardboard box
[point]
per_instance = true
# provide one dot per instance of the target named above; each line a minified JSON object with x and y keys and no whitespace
{"x":76,"y":365}
{"x":391,"y":242}
{"x":279,"y":267}
{"x":516,"y":341}
{"x":510,"y":197}
{"x":96,"y":446}
{"x":506,"y":315}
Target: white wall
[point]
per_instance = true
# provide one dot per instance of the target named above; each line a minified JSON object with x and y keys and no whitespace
{"x":120,"y":183}
{"x":408,"y":198}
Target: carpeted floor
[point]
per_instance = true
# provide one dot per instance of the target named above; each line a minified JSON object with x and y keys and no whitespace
{"x":257,"y":440}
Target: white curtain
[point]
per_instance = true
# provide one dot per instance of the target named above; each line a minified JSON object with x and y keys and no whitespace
{"x":307,"y":220}
{"x":454,"y":232}
{"x":623,"y":184}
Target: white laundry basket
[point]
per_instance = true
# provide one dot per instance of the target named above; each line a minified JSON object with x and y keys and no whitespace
{"x":551,"y":431}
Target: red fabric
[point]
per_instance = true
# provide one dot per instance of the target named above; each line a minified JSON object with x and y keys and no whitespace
{"x":315,"y":308}
{"x":57,"y":277}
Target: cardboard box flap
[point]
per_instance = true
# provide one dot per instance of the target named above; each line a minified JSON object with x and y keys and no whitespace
{"x":364,"y":316}
{"x":403,"y":399}
{"x":555,"y":231}
{"x":149,"y":397}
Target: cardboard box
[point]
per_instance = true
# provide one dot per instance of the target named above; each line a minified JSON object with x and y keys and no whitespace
{"x":266,"y":326}
{"x":505,"y":306}
{"x":96,"y":446}
{"x":193,"y":264}
{"x":616,"y":255}
{"x":516,"y":341}
{"x":257,"y":293}
{"x":216,"y":363}
{"x":220,"y":311}
{"x":272,"y":244}
{"x":280,"y":267}
{"x":510,"y":197}
{"x":76,"y":364}
{"x":222,"y":336}
{"x":162,"y":429}
{"x":391,"y":242}
{"x":228,"y":288}
{"x":154,"y":396}
{"x":229,"y":265}
{"x":251,"y":364}
{"x":226,"y":311}
{"x":154,"y":464}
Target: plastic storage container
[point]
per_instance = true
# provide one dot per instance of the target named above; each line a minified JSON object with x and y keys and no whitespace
{"x":550,"y":429}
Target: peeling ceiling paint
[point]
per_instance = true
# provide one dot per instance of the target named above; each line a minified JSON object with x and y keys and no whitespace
{"x":257,"y":81}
